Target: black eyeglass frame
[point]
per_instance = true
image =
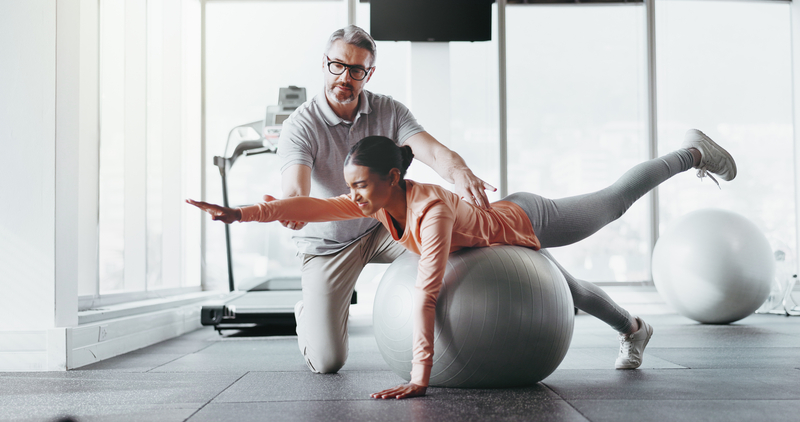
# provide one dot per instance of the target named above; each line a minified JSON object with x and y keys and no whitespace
{"x":349,"y":68}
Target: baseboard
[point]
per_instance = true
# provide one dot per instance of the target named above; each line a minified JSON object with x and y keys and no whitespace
{"x":101,"y":340}
{"x":102,"y":334}
{"x":33,"y":350}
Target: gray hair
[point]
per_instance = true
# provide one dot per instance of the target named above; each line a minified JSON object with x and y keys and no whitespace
{"x":356,"y":36}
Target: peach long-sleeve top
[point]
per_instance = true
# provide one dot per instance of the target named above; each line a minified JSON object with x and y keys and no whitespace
{"x":438,"y":222}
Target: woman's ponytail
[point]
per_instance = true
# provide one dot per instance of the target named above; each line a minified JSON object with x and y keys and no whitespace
{"x":380,"y":154}
{"x":407,"y":156}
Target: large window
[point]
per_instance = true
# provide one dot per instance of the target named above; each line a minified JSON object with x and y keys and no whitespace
{"x":149,"y":149}
{"x":577,"y":110}
{"x":474,"y":104}
{"x":577,"y":120}
{"x":736,"y":86}
{"x":252,"y":50}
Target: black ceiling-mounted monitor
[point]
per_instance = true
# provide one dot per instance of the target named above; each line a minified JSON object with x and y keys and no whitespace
{"x":431,"y":20}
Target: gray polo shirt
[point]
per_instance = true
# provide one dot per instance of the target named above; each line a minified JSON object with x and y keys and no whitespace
{"x":316,"y":137}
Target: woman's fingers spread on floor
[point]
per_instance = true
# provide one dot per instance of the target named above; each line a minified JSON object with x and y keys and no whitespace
{"x":400,"y":392}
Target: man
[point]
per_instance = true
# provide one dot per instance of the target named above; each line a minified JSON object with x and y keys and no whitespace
{"x":314,"y":142}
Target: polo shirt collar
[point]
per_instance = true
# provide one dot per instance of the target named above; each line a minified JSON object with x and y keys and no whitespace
{"x":331,"y":118}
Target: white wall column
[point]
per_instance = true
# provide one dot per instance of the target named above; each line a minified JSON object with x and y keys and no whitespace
{"x":76,"y":156}
{"x":27,"y":184}
{"x":795,"y":25}
{"x":652,"y":115}
{"x":429,"y":96}
{"x":135,"y":109}
{"x":42,"y":245}
{"x":89,"y":137}
{"x":191,"y":147}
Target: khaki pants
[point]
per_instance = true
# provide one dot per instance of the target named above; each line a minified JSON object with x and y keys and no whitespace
{"x":328,"y":283}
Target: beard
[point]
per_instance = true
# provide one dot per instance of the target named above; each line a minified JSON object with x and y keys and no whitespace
{"x":341,"y":99}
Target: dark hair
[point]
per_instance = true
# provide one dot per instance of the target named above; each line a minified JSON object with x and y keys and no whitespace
{"x":380,"y":154}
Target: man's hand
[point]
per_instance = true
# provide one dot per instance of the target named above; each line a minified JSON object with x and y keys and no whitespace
{"x":448,"y":164}
{"x":218,"y":213}
{"x":471,"y":188}
{"x":402,"y":391}
{"x":293,"y":225}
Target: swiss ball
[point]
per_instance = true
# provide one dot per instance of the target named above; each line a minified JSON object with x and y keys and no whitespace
{"x":713,"y":266}
{"x":504,"y":318}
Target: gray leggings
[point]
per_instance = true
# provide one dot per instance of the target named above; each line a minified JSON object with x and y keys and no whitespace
{"x":560,"y":222}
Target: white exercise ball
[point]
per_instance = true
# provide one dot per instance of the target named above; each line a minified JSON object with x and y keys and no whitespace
{"x":504,"y":318}
{"x":713,"y":266}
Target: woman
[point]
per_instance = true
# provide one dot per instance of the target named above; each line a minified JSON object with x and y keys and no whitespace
{"x":432,"y":222}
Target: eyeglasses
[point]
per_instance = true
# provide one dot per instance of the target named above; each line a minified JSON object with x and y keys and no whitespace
{"x":358,"y":73}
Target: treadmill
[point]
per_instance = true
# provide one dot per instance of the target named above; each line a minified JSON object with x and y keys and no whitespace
{"x":262,"y":303}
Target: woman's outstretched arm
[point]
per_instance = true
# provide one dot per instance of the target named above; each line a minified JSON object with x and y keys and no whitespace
{"x":218,"y":212}
{"x":295,"y":209}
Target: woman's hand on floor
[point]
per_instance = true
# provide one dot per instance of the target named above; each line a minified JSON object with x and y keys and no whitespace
{"x":220,"y":213}
{"x":403,"y":391}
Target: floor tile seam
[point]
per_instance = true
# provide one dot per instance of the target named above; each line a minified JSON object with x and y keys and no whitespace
{"x":263,"y":338}
{"x":149,"y":354}
{"x":685,"y":400}
{"x":645,"y":368}
{"x":94,"y":371}
{"x":616,"y":370}
{"x":650,"y":353}
{"x":144,"y":351}
{"x":652,"y":347}
{"x":210,"y":343}
{"x":717,"y":347}
{"x":220,"y":371}
{"x":167,"y":363}
{"x":698,"y":368}
{"x":561,"y":398}
{"x":693,"y":368}
{"x":338,"y":400}
{"x":306,"y":371}
{"x":215,"y":396}
{"x":146,"y":406}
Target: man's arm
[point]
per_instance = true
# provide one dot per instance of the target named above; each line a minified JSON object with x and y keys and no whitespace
{"x":451,"y":167}
{"x":296,"y":181}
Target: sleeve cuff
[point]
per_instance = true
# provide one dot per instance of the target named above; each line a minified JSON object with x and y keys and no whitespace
{"x":420,"y":374}
{"x":249,"y":213}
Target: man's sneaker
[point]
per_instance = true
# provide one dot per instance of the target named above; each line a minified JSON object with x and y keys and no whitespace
{"x":631,"y":346}
{"x":715,"y":159}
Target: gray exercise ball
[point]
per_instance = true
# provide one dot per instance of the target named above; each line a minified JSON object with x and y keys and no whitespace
{"x":504,"y":318}
{"x":713,"y":266}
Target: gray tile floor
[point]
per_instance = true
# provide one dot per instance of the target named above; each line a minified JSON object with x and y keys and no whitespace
{"x":748,"y":371}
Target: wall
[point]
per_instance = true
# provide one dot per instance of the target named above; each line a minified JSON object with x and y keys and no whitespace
{"x":28,"y":338}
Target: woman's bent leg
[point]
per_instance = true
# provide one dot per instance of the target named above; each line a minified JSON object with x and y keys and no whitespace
{"x":594,"y":301}
{"x":560,"y":222}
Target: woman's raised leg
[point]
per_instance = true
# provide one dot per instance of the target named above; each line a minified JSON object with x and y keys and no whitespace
{"x":560,"y":222}
{"x":564,"y":221}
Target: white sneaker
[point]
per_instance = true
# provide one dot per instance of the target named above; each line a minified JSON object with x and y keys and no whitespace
{"x":715,"y":159}
{"x":631,"y":346}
